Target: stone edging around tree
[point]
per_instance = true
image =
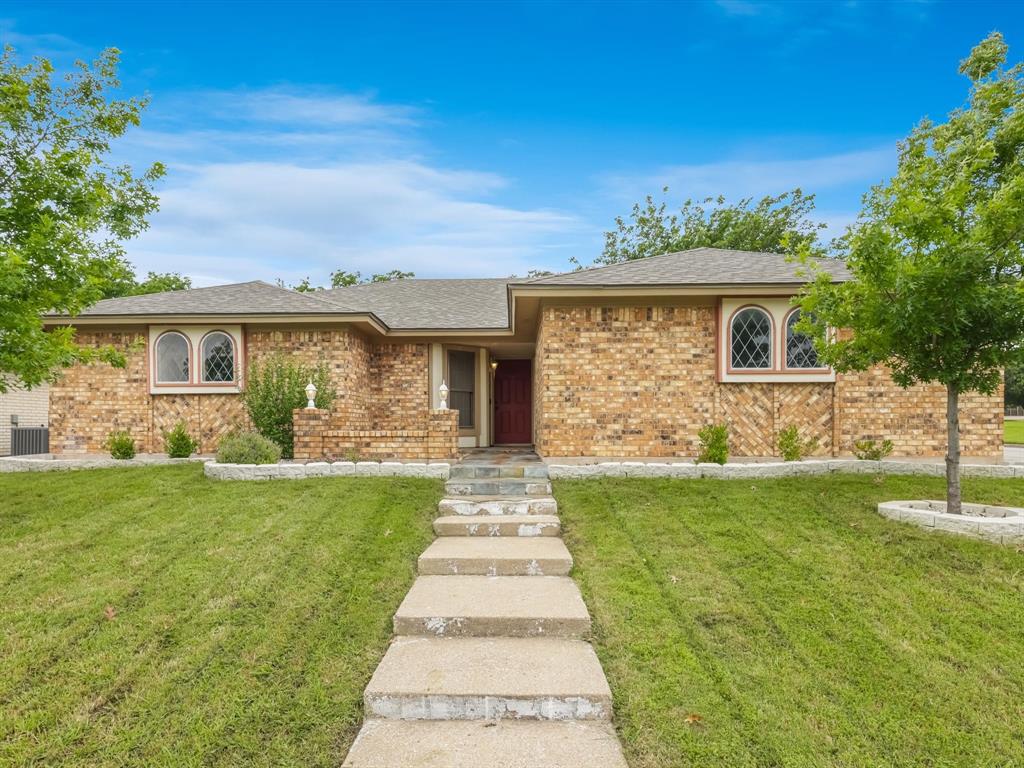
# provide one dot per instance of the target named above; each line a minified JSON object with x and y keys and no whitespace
{"x":763,"y":470}
{"x":439,"y":470}
{"x":1001,"y":525}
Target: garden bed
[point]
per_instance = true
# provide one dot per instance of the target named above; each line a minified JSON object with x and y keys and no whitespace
{"x":1002,"y":525}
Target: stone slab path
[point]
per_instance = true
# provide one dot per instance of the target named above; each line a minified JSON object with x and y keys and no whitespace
{"x":489,"y":666}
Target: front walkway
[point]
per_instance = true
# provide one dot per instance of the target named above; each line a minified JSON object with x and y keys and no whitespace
{"x":489,"y":667}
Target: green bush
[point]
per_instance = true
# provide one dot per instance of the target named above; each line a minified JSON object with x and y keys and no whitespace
{"x":714,"y":444}
{"x":869,"y":450}
{"x":792,"y":447}
{"x":247,"y":448}
{"x":179,"y":443}
{"x":120,"y":445}
{"x":276,"y":387}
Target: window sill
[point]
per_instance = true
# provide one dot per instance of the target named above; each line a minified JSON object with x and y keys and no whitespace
{"x":778,"y":377}
{"x":195,"y":389}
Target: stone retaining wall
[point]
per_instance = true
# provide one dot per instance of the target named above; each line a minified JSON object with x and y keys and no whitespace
{"x":23,"y":464}
{"x":1000,"y":525}
{"x":772,"y":469}
{"x":439,"y":470}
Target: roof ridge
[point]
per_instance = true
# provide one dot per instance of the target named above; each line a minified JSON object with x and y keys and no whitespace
{"x":627,"y":261}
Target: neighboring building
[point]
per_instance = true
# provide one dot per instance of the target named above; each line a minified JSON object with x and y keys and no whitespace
{"x":29,"y":407}
{"x":628,"y":360}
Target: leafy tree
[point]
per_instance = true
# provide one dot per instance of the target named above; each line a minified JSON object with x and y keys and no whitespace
{"x":155,"y":282}
{"x":343,"y":279}
{"x":65,"y":211}
{"x":776,"y":224}
{"x":937,"y":254}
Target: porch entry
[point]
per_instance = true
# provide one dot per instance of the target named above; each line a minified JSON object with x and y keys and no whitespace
{"x":513,"y":402}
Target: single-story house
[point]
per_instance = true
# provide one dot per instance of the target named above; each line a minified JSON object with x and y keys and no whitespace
{"x":628,"y":360}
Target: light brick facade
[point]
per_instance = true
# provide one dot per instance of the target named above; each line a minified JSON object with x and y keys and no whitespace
{"x":380,"y":387}
{"x":638,"y":381}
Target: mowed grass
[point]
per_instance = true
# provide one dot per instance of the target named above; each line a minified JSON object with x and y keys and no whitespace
{"x":1013,"y":431}
{"x":152,"y":617}
{"x":785,"y":623}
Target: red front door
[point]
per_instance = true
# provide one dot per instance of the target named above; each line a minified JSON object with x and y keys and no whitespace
{"x":513,"y":404}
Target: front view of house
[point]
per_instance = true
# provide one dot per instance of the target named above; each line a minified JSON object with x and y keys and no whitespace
{"x":629,"y":360}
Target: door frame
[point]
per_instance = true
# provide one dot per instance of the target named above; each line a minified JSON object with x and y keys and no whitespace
{"x":494,"y":400}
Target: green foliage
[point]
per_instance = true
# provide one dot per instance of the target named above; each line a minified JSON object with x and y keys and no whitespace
{"x":869,"y":450}
{"x":275,"y":388}
{"x":65,"y":211}
{"x":937,"y":254}
{"x":179,"y":443}
{"x":792,"y":447}
{"x":777,"y":224}
{"x":247,"y":448}
{"x":120,"y":445}
{"x":343,"y":279}
{"x":155,"y":282}
{"x":714,"y":444}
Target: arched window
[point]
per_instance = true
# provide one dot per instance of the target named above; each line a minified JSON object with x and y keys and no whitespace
{"x":750,"y":334}
{"x":799,"y":348}
{"x":172,"y":359}
{"x":218,"y":352}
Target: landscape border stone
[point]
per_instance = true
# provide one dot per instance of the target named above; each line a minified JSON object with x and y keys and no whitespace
{"x":294,"y":471}
{"x":997,"y":524}
{"x":42,"y":463}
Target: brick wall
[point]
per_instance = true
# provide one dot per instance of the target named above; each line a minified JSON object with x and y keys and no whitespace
{"x":379,"y":388}
{"x":31,"y":406}
{"x":640,"y":381}
{"x":321,"y":434}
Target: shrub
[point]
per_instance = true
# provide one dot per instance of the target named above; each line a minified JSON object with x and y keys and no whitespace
{"x":179,"y":443}
{"x":247,"y":448}
{"x":120,"y":445}
{"x":869,"y":450}
{"x":792,"y":447}
{"x":714,"y":444}
{"x":275,"y":388}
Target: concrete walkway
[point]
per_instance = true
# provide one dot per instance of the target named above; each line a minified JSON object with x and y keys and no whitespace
{"x":490,"y":665}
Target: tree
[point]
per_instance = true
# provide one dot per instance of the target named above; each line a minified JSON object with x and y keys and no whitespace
{"x":155,"y":282}
{"x":65,"y":211}
{"x":937,"y":254}
{"x":342,"y":279}
{"x":776,"y":224}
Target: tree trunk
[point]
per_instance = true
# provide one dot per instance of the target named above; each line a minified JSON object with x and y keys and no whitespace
{"x":953,"y":449}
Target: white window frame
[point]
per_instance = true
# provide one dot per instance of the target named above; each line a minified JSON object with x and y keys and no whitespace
{"x":195,"y":335}
{"x":778,"y":309}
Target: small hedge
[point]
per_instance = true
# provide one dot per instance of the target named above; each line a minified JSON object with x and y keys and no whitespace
{"x":121,"y":445}
{"x":179,"y":443}
{"x":247,"y":448}
{"x":714,"y":444}
{"x":792,"y":447}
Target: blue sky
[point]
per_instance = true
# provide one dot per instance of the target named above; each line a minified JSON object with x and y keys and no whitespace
{"x":487,"y":139}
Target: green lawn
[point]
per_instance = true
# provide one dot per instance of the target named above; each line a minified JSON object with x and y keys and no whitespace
{"x":244,"y":619}
{"x":1013,"y":431}
{"x":785,"y":623}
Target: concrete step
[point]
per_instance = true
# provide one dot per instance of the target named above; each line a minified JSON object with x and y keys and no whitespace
{"x":497,"y":525}
{"x":519,"y":486}
{"x":509,"y":556}
{"x":488,"y":679}
{"x":468,"y":744}
{"x":494,"y":471}
{"x":493,"y":606}
{"x":498,"y":505}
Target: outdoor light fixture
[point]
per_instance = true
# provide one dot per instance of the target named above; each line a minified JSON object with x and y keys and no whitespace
{"x":442,"y":391}
{"x":494,"y":365}
{"x":311,"y":396}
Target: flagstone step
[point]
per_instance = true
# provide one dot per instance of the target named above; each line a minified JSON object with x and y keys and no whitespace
{"x":464,"y":471}
{"x":488,"y":679}
{"x":522,"y":486}
{"x":475,"y":744}
{"x":493,"y":606}
{"x":509,"y":556}
{"x":497,"y":525}
{"x":498,"y":505}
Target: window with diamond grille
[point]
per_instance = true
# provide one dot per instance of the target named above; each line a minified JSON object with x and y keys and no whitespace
{"x":751,"y":336}
{"x":799,"y":349}
{"x":218,"y":357}
{"x":172,"y":359}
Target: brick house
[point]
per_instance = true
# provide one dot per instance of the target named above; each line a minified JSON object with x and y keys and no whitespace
{"x":628,"y":360}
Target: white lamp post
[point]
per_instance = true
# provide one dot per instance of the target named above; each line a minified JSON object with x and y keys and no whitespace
{"x":443,"y":392}
{"x":311,"y":396}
